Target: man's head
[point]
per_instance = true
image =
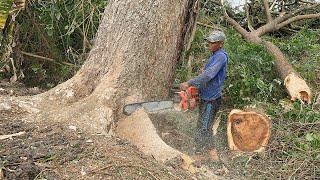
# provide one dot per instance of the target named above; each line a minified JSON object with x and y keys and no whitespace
{"x":215,"y":40}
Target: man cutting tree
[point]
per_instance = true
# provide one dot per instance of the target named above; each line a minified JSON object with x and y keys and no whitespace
{"x":210,"y":85}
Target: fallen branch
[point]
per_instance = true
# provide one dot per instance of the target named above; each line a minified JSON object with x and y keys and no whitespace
{"x":2,"y":137}
{"x":47,"y":59}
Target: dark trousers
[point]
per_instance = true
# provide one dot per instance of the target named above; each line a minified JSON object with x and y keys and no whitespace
{"x":207,"y":113}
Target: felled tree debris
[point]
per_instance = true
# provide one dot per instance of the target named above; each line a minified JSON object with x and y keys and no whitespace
{"x":282,"y":20}
{"x":248,"y":131}
{"x":297,"y":88}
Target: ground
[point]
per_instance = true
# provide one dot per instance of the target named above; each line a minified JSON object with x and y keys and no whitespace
{"x":178,"y":128}
{"x":56,"y":151}
{"x":50,"y":150}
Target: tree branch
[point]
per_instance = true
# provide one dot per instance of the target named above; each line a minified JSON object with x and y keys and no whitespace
{"x":280,"y":19}
{"x":308,"y":2}
{"x":206,"y":25}
{"x":250,"y":36}
{"x":236,"y":25}
{"x":267,"y":10}
{"x":272,"y":5}
{"x":46,"y":59}
{"x":298,"y":18}
{"x":272,"y":26}
{"x":248,"y":17}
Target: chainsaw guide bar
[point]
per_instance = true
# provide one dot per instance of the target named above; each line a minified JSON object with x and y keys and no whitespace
{"x":151,"y":106}
{"x":187,"y":100}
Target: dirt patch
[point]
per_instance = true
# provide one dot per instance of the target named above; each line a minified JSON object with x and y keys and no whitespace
{"x":17,"y":89}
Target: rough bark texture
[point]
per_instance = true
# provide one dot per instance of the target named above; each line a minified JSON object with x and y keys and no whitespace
{"x":136,"y":49}
{"x":139,"y":43}
{"x":133,"y":59}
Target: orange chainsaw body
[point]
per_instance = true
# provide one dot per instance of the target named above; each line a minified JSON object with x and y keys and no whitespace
{"x":189,"y":98}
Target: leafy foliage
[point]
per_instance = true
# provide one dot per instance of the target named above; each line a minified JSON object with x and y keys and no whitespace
{"x":303,"y":49}
{"x":61,"y":30}
{"x":5,"y":6}
{"x":249,"y":70}
{"x":293,"y":151}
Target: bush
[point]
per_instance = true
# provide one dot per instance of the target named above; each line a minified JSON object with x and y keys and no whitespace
{"x":60,"y":30}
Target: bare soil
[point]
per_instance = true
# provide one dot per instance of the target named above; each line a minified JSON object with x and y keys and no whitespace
{"x":50,"y":150}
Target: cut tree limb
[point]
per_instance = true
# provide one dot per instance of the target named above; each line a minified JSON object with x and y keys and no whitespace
{"x":295,"y":85}
{"x":281,"y":65}
{"x":297,"y":88}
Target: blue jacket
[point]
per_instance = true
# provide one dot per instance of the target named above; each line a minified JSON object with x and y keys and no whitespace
{"x":210,"y":82}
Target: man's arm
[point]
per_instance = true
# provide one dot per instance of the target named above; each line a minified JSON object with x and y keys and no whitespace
{"x":209,"y":73}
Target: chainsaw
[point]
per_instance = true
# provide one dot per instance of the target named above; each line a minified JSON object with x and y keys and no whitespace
{"x":182,"y":100}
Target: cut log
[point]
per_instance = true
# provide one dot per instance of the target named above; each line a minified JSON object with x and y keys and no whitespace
{"x":247,"y":131}
{"x":297,"y":88}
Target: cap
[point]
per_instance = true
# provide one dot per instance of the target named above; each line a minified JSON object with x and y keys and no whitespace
{"x":216,"y":36}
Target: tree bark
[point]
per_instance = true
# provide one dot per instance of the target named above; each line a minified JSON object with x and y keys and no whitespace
{"x":134,"y":56}
{"x":133,"y":59}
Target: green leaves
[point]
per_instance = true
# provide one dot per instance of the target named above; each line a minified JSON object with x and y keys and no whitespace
{"x":5,"y":6}
{"x":62,"y":30}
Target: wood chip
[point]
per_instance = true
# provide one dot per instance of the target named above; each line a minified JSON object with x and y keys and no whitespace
{"x":2,"y":137}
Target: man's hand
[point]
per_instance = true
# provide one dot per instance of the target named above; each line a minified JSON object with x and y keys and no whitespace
{"x":184,"y":86}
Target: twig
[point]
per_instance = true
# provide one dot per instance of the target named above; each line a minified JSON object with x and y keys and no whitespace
{"x":272,"y":5}
{"x":297,"y":169}
{"x":85,"y":39}
{"x":41,"y":172}
{"x":206,"y":25}
{"x":2,"y":137}
{"x":46,"y":59}
{"x":152,"y":175}
{"x":308,"y":2}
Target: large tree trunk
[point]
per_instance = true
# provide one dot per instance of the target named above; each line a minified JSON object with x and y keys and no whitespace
{"x":137,"y":46}
{"x":136,"y":49}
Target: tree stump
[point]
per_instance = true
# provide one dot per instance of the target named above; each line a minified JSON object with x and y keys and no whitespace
{"x":248,"y":131}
